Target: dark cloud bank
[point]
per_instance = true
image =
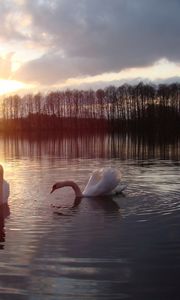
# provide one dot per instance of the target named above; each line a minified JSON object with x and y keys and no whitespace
{"x":90,"y":37}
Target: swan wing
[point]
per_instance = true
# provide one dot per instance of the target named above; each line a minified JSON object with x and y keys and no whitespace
{"x":102,"y":182}
{"x":92,"y":182}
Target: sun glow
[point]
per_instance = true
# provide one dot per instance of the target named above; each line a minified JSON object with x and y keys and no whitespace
{"x":10,"y":86}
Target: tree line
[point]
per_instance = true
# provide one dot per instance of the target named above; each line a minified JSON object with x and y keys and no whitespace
{"x":127,"y":107}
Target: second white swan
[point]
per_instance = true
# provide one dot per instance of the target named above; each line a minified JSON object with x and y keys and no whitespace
{"x":104,"y":181}
{"x":4,"y":187}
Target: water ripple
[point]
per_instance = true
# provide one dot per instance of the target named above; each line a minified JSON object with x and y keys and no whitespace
{"x":97,"y":249}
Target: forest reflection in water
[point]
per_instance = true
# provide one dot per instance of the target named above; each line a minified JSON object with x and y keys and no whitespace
{"x":91,"y":146}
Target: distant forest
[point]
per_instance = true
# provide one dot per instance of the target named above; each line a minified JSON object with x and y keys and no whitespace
{"x":139,"y":108}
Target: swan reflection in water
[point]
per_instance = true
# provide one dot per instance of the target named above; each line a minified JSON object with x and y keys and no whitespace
{"x":4,"y":207}
{"x":107,"y":204}
{"x":4,"y":213}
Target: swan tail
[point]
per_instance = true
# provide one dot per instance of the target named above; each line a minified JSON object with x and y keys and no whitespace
{"x":119,"y":189}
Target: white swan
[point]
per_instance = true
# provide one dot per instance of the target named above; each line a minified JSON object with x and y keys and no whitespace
{"x":102,"y":182}
{"x":4,"y":188}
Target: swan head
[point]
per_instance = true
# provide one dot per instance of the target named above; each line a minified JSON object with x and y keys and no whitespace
{"x":55,"y":187}
{"x":65,"y":183}
{"x":59,"y":185}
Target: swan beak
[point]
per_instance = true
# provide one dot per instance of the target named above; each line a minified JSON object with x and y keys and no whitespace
{"x":52,"y":191}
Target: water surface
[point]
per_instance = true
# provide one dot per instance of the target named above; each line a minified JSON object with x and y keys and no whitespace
{"x":53,"y":247}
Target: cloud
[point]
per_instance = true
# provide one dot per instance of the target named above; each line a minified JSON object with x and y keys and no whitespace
{"x":11,"y":21}
{"x":5,"y":66}
{"x":93,"y":37}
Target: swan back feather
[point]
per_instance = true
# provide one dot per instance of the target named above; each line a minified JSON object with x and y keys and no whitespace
{"x":102,"y":182}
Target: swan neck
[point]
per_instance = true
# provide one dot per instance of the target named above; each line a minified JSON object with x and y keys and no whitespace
{"x":72,"y":184}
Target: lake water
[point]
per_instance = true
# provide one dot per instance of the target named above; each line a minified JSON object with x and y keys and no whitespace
{"x":53,"y":247}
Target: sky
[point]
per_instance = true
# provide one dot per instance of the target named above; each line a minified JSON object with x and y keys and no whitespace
{"x":60,"y":44}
